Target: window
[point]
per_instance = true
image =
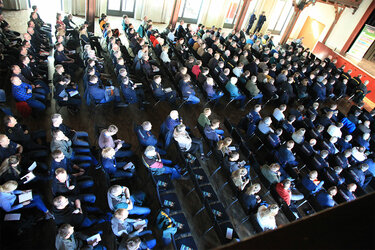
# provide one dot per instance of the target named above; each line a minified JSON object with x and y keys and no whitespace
{"x":231,"y":13}
{"x":189,"y":10}
{"x":282,"y":13}
{"x":121,"y":7}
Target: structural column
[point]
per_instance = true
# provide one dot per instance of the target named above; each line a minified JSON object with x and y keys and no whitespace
{"x":90,"y":6}
{"x":338,"y":12}
{"x":176,"y":10}
{"x":242,"y":15}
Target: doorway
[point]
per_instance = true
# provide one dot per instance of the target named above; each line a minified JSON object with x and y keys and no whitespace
{"x":121,"y":7}
{"x":311,"y":31}
{"x":190,"y":10}
{"x":281,"y":14}
{"x":232,"y":13}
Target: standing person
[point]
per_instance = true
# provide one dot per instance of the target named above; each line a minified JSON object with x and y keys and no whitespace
{"x":251,"y":22}
{"x":262,"y":18}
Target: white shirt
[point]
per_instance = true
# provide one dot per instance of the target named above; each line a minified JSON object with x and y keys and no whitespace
{"x":358,"y":155}
{"x":278,"y":115}
{"x":164,"y":57}
{"x":334,"y":131}
{"x":266,"y":223}
{"x":171,"y":36}
{"x":184,"y":141}
{"x":237,"y":72}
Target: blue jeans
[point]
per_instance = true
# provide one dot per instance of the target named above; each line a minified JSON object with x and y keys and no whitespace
{"x":216,"y":96}
{"x":242,"y":98}
{"x":121,"y":153}
{"x":219,"y":131}
{"x":35,"y":104}
{"x":192,"y":99}
{"x":37,"y":202}
{"x":143,"y":211}
{"x":259,"y":98}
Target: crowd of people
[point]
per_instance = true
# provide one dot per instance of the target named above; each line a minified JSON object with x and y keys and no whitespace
{"x":305,"y":129}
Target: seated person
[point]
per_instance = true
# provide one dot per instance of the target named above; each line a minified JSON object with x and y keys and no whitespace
{"x":273,"y":173}
{"x":148,"y":66}
{"x":67,"y":211}
{"x":319,"y":162}
{"x":210,"y":131}
{"x":311,"y":182}
{"x":264,"y":126}
{"x":212,"y":93}
{"x":287,"y":125}
{"x":284,"y":190}
{"x":299,"y":136}
{"x":278,"y":113}
{"x":106,"y":140}
{"x":8,"y":148}
{"x":360,"y":174}
{"x":79,"y":138}
{"x":157,"y":166}
{"x":103,"y":95}
{"x":119,"y":197}
{"x":163,"y":94}
{"x":253,"y":118}
{"x":146,"y":138}
{"x":187,"y":90}
{"x":20,"y":134}
{"x":67,"y":97}
{"x":68,"y":185}
{"x":127,"y":228}
{"x":67,"y":238}
{"x":8,"y":199}
{"x":285,"y":155}
{"x":325,"y":199}
{"x":335,"y":130}
{"x":266,"y":217}
{"x":239,"y":178}
{"x":255,"y":93}
{"x":250,"y":198}
{"x":113,"y":168}
{"x":167,"y":127}
{"x":347,"y":191}
{"x":22,"y":92}
{"x":274,"y":138}
{"x":363,"y":140}
{"x":307,"y":148}
{"x":133,"y":93}
{"x":333,"y":175}
{"x":60,"y":161}
{"x":234,"y":91}
{"x":223,"y":147}
{"x":186,"y":143}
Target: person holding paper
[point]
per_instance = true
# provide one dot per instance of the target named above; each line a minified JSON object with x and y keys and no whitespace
{"x":106,"y":140}
{"x":113,"y":168}
{"x":124,"y":227}
{"x":132,"y":92}
{"x":67,"y":97}
{"x":67,"y":238}
{"x":146,"y":138}
{"x":119,"y":197}
{"x":59,"y":161}
{"x":64,"y":184}
{"x":161,"y":93}
{"x":10,"y":202}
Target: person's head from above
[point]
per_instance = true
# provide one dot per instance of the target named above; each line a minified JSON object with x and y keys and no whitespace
{"x":30,"y":30}
{"x":186,"y":78}
{"x":352,"y":187}
{"x":339,"y":125}
{"x":279,"y":131}
{"x":312,"y":117}
{"x":174,"y":114}
{"x":290,"y":144}
{"x":234,"y":156}
{"x":10,"y":121}
{"x":337,"y":169}
{"x":8,"y":186}
{"x":313,"y":175}
{"x":61,"y":175}
{"x":301,"y":132}
{"x":56,"y":119}
{"x":215,"y":124}
{"x":332,"y":191}
{"x":366,"y":136}
{"x":253,"y":189}
{"x":282,"y":107}
{"x":333,"y":139}
{"x":286,"y":183}
{"x":58,"y":135}
{"x":348,"y":153}
{"x":271,"y":211}
{"x":274,"y":167}
{"x":267,"y":120}
{"x":57,"y":155}
{"x":181,"y":128}
{"x":65,"y":231}
{"x":367,"y":123}
{"x":207,"y":112}
{"x":239,"y":173}
{"x":111,"y":130}
{"x":108,"y":153}
{"x":121,"y":214}
{"x":147,"y":126}
{"x":123,"y":72}
{"x":324,"y":154}
{"x":150,"y":151}
{"x":315,"y":105}
{"x":312,"y":142}
{"x":116,"y":190}
{"x":60,"y":202}
{"x":25,"y":60}
{"x":364,"y":167}
{"x":210,"y":81}
{"x":257,"y":108}
{"x":320,"y":128}
{"x":4,"y":141}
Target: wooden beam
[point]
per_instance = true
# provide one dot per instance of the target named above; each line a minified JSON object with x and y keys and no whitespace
{"x":358,"y":28}
{"x":90,"y":6}
{"x":242,"y":14}
{"x":176,"y":10}
{"x":338,"y":12}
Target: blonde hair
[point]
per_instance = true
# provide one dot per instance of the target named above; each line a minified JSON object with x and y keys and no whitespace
{"x":106,"y":152}
{"x":119,"y":212}
{"x":270,"y":211}
{"x":8,"y":186}
{"x":239,"y":172}
{"x":206,"y":111}
{"x":253,"y":189}
{"x":222,"y":144}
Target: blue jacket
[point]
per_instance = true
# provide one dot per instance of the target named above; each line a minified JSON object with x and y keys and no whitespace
{"x":109,"y":165}
{"x":346,"y":194}
{"x":363,"y":142}
{"x":129,"y":93}
{"x":285,"y":156}
{"x":274,"y":140}
{"x":310,"y":185}
{"x":319,"y":163}
{"x":186,"y":89}
{"x":98,"y":94}
{"x":211,"y":134}
{"x":209,"y":90}
{"x":342,"y":145}
{"x":333,"y":177}
{"x":325,"y":200}
{"x":287,"y":127}
{"x":146,"y":138}
{"x":157,"y":89}
{"x":232,"y":89}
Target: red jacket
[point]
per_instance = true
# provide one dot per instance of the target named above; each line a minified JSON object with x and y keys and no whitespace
{"x":284,"y":194}
{"x":196,"y":70}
